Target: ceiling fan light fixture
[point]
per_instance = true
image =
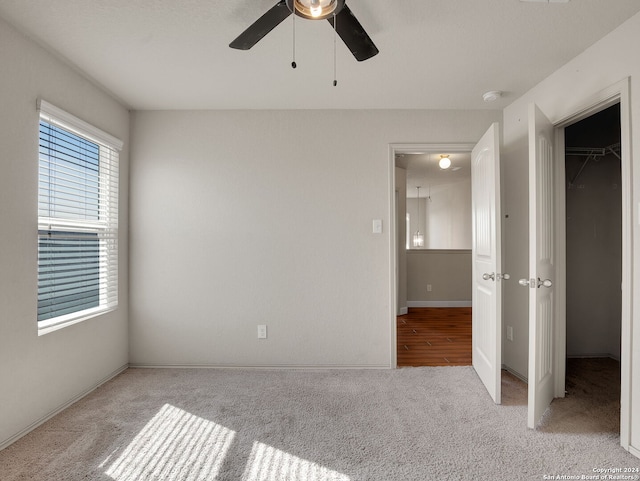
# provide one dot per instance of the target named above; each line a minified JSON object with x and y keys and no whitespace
{"x":445,"y":161}
{"x":339,"y":16}
{"x":316,"y":9}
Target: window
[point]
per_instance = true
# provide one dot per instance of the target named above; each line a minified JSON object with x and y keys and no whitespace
{"x":77,"y":220}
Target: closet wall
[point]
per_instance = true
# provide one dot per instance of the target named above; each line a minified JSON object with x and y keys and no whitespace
{"x":594,"y":237}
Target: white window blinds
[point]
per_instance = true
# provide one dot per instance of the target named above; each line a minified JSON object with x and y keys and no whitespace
{"x":77,"y":219}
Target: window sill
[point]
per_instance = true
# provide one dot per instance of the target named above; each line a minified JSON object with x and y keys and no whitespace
{"x":51,"y":325}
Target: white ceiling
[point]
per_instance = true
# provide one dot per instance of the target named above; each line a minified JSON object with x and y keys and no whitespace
{"x":423,"y":170}
{"x":434,"y":54}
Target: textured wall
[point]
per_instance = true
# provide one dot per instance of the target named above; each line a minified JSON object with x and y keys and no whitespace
{"x":40,"y":374}
{"x":448,"y":272}
{"x":594,"y":239}
{"x":604,"y":64}
{"x":401,"y":239}
{"x":206,"y":270}
{"x":446,"y":218}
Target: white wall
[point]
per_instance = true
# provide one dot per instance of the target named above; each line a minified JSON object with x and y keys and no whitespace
{"x":449,"y":216}
{"x":602,"y":65}
{"x":40,"y":374}
{"x":448,"y":272}
{"x":401,"y":239}
{"x":594,"y":241}
{"x":594,"y":261}
{"x":205,"y":270}
{"x":445,"y":220}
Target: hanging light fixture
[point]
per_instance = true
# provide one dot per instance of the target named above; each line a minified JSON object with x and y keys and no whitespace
{"x":418,"y":239}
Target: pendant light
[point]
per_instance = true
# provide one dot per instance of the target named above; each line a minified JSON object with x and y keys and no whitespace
{"x":418,"y":239}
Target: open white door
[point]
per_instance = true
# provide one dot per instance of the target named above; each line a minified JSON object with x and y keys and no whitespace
{"x":486,"y":254}
{"x":541,"y":264}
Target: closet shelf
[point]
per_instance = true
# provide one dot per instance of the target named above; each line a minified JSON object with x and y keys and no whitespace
{"x":591,"y":153}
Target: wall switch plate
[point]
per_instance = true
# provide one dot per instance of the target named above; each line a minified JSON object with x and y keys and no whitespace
{"x":377,"y":226}
{"x":262,"y":331}
{"x":509,"y":333}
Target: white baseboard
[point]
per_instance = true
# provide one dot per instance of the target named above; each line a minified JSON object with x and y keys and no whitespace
{"x":59,"y":409}
{"x":403,"y":311}
{"x":515,"y":373}
{"x":272,"y":367}
{"x":438,"y":303}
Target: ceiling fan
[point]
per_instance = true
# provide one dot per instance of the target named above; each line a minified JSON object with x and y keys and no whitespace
{"x":336,"y":12}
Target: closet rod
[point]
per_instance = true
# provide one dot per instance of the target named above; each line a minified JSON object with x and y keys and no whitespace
{"x":591,"y":153}
{"x":594,"y":151}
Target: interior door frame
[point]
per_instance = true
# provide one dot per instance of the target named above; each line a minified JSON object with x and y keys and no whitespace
{"x":617,"y":93}
{"x":395,"y":149}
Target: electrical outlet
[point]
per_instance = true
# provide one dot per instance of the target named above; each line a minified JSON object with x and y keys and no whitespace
{"x":509,"y":333}
{"x":429,"y":289}
{"x":262,"y":331}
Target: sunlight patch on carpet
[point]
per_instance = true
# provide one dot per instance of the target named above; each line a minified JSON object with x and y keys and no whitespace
{"x":174,"y":444}
{"x":267,"y":463}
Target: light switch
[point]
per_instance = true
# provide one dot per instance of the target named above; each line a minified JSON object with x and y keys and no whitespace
{"x":262,"y":331}
{"x":377,"y":226}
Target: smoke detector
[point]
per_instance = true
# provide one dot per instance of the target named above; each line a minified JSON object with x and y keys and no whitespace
{"x":491,"y":96}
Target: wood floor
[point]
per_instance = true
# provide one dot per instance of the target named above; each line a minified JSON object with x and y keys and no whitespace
{"x":434,"y":336}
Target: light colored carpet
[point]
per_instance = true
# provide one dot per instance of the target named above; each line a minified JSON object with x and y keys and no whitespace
{"x":252,"y":425}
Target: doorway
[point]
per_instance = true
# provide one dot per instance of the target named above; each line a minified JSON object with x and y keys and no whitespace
{"x":485,"y":249}
{"x":593,"y":205}
{"x":433,"y":279}
{"x":552,"y":353}
{"x":434,"y":204}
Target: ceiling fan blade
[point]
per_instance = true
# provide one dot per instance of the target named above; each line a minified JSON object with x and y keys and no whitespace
{"x":353,"y":35}
{"x":258,"y":29}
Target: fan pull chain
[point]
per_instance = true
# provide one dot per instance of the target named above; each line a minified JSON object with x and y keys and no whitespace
{"x":293,"y":62}
{"x":335,"y":36}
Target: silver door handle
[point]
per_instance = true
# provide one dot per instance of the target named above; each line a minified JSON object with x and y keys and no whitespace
{"x":533,"y":283}
{"x":527,"y":282}
{"x":486,"y":276}
{"x":504,"y":277}
{"x":545,"y":283}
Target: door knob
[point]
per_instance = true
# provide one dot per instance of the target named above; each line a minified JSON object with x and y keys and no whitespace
{"x":545,"y":283}
{"x":525,"y":282}
{"x":535,"y":283}
{"x":504,"y":277}
{"x":486,"y":276}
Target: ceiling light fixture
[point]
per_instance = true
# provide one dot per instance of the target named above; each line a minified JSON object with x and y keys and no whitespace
{"x":316,"y":9}
{"x":418,"y":239}
{"x":491,"y":96}
{"x":445,"y":161}
{"x":344,"y":22}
